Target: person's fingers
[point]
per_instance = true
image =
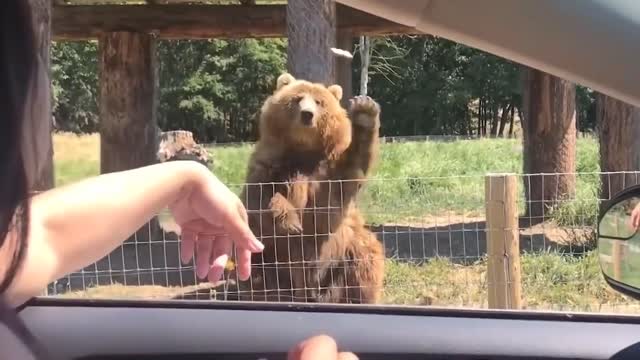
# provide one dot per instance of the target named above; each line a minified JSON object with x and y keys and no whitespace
{"x":220,"y":256}
{"x":187,"y":245}
{"x":321,"y":347}
{"x":347,"y":356}
{"x":294,"y":352}
{"x":221,"y":206}
{"x":238,"y":228}
{"x":242,"y":210}
{"x":203,"y":254}
{"x":244,"y":263}
{"x":196,"y":225}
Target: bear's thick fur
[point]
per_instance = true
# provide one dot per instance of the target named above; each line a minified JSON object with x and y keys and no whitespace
{"x":314,"y":157}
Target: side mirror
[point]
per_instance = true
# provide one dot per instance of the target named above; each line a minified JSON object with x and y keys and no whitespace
{"x":618,"y":241}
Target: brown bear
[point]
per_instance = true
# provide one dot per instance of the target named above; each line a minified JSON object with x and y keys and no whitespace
{"x":311,"y":158}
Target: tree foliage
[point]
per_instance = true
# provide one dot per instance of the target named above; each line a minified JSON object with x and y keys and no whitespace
{"x":215,"y":88}
{"x":74,"y":68}
{"x":426,"y":85}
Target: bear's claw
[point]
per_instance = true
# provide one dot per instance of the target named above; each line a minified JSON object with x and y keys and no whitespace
{"x":286,"y":218}
{"x":289,"y":223}
{"x":295,"y":228}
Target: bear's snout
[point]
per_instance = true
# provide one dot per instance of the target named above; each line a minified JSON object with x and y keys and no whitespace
{"x":307,"y":111}
{"x":306,"y":117}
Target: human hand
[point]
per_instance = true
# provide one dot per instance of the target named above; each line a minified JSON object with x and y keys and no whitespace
{"x":321,"y":347}
{"x":635,"y":217}
{"x":212,"y":219}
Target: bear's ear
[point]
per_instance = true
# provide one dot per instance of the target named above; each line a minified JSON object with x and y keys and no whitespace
{"x":283,"y":80}
{"x":336,"y":90}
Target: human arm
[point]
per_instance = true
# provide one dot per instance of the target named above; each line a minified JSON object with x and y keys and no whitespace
{"x":76,"y":225}
{"x":635,"y":216}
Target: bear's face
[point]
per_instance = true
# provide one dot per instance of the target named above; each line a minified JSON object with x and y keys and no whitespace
{"x":307,"y":115}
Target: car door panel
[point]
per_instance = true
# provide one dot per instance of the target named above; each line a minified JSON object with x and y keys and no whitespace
{"x":100,"y":330}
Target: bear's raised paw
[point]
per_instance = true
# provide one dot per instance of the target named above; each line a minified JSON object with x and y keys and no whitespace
{"x":289,"y":223}
{"x":364,"y":111}
{"x":285,"y":216}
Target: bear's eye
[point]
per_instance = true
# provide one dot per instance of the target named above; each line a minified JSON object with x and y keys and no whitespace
{"x":317,"y":102}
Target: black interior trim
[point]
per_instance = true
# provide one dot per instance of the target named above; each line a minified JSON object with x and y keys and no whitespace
{"x":341,"y":309}
{"x":621,"y":287}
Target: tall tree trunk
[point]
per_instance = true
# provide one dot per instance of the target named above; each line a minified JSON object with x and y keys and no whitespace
{"x":365,"y":61}
{"x":311,"y":33}
{"x":42,"y":27}
{"x":128,"y":92}
{"x":506,"y":110}
{"x":128,"y":99}
{"x":512,"y":120}
{"x":619,"y":133}
{"x":549,"y":129}
{"x":479,"y":133}
{"x":494,"y":122}
{"x":485,"y":118}
{"x":512,"y":126}
{"x":344,"y":73}
{"x":481,"y":117}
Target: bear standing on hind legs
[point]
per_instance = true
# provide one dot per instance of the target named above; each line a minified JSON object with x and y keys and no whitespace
{"x":309,"y":163}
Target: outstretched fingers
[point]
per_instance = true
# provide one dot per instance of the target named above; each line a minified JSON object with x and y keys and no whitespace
{"x":237,"y":225}
{"x":187,"y":246}
{"x":244,"y":264}
{"x":635,"y":218}
{"x":203,"y":255}
{"x":320,"y":347}
{"x":219,"y":257}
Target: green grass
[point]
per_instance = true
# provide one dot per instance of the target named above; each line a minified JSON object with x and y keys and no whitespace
{"x":418,"y":180}
{"x":549,"y":281}
{"x":75,"y":157}
{"x":411,"y":180}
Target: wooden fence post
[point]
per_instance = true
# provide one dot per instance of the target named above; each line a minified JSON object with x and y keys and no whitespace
{"x":616,"y":259}
{"x":503,"y":242}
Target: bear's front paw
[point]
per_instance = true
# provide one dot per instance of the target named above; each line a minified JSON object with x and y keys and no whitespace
{"x":364,"y":111}
{"x":285,"y":216}
{"x":289,"y":223}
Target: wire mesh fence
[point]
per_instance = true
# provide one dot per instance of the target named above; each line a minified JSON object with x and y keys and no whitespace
{"x":524,"y":241}
{"x":400,"y":139}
